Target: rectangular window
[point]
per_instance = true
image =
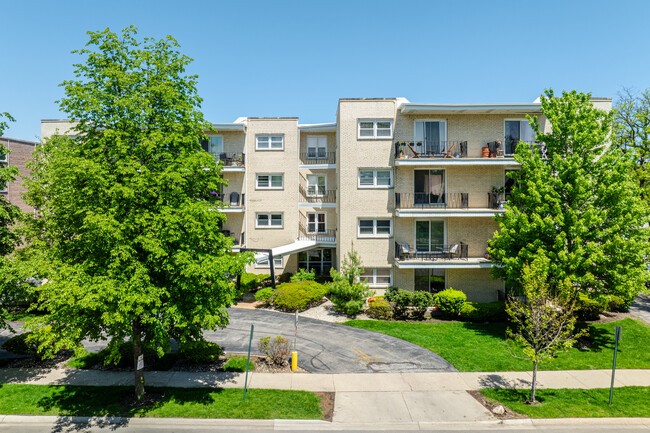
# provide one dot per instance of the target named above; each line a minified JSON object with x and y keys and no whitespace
{"x":318,"y":260}
{"x":263,"y":262}
{"x":267,"y":220}
{"x":376,"y":277}
{"x":375,"y":129}
{"x":269,"y":142}
{"x":379,"y":228}
{"x":215,"y":146}
{"x":316,"y":147}
{"x":431,"y":137}
{"x":429,"y":280}
{"x":429,"y":187}
{"x":316,"y":185}
{"x":270,"y":181}
{"x":516,"y":131}
{"x":375,"y":178}
{"x":316,"y":223}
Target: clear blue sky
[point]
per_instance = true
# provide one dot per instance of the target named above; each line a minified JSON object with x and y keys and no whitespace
{"x":277,"y":58}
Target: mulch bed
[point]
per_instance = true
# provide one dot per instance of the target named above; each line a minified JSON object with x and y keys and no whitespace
{"x":489,"y":405}
{"x":326,"y":404}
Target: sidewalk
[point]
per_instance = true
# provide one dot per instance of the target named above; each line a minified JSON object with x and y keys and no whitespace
{"x":361,"y":399}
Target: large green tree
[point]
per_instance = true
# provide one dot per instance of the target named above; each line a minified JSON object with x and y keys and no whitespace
{"x":576,"y":199}
{"x":128,"y":226}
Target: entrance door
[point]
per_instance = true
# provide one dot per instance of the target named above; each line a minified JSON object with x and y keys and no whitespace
{"x":429,"y":187}
{"x":429,"y":236}
{"x":316,"y":185}
{"x":433,"y":137}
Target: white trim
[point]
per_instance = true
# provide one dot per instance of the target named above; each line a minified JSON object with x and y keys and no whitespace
{"x":308,"y":185}
{"x":444,"y":231}
{"x":316,"y":166}
{"x":317,"y":205}
{"x":374,"y":283}
{"x":374,"y":228}
{"x":486,"y":108}
{"x":442,"y":264}
{"x":269,"y":226}
{"x":318,"y":138}
{"x":431,"y":120}
{"x":259,"y":265}
{"x":374,"y":178}
{"x":324,"y":127}
{"x":231,"y":169}
{"x":269,"y":136}
{"x":270,"y":175}
{"x":315,"y":222}
{"x":452,"y":213}
{"x":425,"y":162}
{"x":232,"y":210}
{"x":229,"y":126}
{"x":374,"y":129}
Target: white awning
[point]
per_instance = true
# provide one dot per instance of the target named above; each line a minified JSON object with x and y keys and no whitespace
{"x":292,"y":248}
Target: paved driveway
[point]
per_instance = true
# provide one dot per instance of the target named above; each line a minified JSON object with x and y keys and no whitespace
{"x":641,"y":308}
{"x":323,"y":347}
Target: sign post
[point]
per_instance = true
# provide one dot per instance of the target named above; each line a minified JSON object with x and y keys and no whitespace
{"x":294,"y":354}
{"x":248,"y":360}
{"x":617,"y":338}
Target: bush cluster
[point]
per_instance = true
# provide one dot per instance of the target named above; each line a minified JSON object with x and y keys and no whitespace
{"x":284,"y":277}
{"x":407,"y":304}
{"x":297,"y":296}
{"x":587,"y":308}
{"x":251,"y":282}
{"x":20,"y":346}
{"x":304,"y":275}
{"x":379,"y":309}
{"x":349,"y":298}
{"x":275,"y":350}
{"x":617,"y":304}
{"x":200,"y":351}
{"x":484,"y":311}
{"x":265,"y":294}
{"x":450,"y":301}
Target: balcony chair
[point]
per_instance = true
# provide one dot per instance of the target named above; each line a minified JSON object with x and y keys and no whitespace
{"x":416,"y":154}
{"x":234,"y":198}
{"x":406,"y":251}
{"x":448,"y":154}
{"x":453,"y":250}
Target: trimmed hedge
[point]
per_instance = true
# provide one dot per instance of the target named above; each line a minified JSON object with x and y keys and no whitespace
{"x":617,"y":304}
{"x":450,"y":301}
{"x":265,"y":294}
{"x":587,"y":308}
{"x":298,"y":296}
{"x":200,"y":351}
{"x":252,"y":282}
{"x":484,"y":311}
{"x":379,"y":309}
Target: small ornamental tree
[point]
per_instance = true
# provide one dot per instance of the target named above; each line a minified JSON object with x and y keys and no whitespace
{"x":347,"y":292}
{"x":543,"y":320}
{"x":128,"y":227}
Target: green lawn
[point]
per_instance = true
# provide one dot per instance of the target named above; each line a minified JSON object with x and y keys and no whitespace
{"x":628,"y":401}
{"x":482,"y":347}
{"x":176,"y":402}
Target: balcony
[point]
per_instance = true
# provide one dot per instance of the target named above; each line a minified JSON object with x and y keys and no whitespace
{"x":318,"y":158}
{"x":445,"y":205}
{"x":234,"y":200}
{"x":317,"y":195}
{"x":430,"y":149}
{"x":438,"y":256}
{"x":316,"y":232}
{"x":238,"y":238}
{"x":456,"y":153}
{"x":233,"y":161}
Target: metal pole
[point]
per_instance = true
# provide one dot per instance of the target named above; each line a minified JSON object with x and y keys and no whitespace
{"x":248,"y":360}
{"x":617,"y":336}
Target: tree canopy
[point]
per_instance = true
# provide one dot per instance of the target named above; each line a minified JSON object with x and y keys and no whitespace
{"x":128,"y":228}
{"x":578,"y":202}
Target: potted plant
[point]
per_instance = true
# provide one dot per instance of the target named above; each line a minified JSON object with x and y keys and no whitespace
{"x":401,"y":145}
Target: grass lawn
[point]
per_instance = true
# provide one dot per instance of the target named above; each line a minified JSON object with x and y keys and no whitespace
{"x":482,"y":347}
{"x":570,"y":403}
{"x":176,"y":402}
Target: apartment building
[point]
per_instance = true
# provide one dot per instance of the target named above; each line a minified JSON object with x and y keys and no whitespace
{"x":412,"y":187}
{"x":20,"y":151}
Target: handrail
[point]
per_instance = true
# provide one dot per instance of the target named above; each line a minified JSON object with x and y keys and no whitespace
{"x":317,"y":195}
{"x":453,"y":200}
{"x":316,"y":157}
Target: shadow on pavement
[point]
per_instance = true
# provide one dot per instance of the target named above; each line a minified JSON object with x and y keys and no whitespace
{"x":498,"y":381}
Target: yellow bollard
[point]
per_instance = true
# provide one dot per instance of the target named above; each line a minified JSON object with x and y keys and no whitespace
{"x":294,"y":361}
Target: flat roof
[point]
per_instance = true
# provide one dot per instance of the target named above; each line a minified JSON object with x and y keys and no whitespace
{"x":18,"y":140}
{"x":528,"y":107}
{"x":318,"y":127}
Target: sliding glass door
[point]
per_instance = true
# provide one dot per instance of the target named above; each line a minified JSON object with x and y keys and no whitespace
{"x":429,"y":236}
{"x":432,"y":135}
{"x":429,"y":187}
{"x":429,"y":280}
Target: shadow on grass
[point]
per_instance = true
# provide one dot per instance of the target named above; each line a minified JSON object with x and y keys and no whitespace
{"x":597,"y":339}
{"x":494,"y":330}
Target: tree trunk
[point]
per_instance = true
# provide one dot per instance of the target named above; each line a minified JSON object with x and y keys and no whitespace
{"x":137,"y":351}
{"x":532,"y":391}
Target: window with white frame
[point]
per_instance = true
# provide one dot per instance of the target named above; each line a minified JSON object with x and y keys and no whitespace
{"x":316,"y":146}
{"x":379,"y":128}
{"x":263,"y":262}
{"x":375,"y":178}
{"x":268,"y":220}
{"x":316,"y":223}
{"x":270,"y":181}
{"x":215,"y":145}
{"x":378,"y":228}
{"x":269,"y":142}
{"x":316,"y":185}
{"x":376,"y":277}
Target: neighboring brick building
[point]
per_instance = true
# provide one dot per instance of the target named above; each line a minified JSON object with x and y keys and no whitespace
{"x":20,"y":153}
{"x":406,"y":183}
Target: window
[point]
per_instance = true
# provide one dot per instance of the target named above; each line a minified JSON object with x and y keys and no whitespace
{"x":376,"y":277}
{"x":375,"y":129}
{"x":375,"y":178}
{"x":429,"y":187}
{"x":429,"y":280}
{"x":316,"y":147}
{"x":268,"y":220}
{"x":318,"y":260}
{"x":316,"y":223}
{"x":516,"y":131}
{"x":431,"y":137}
{"x":379,"y":228}
{"x":270,"y":181}
{"x":316,"y":185}
{"x":263,"y":262}
{"x":429,"y":236}
{"x":215,"y":146}
{"x":3,"y":156}
{"x":269,"y":142}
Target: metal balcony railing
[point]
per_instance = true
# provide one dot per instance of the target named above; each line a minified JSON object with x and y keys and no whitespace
{"x":234,"y":199}
{"x":430,"y":149}
{"x":404,"y":251}
{"x":233,"y":159}
{"x":453,"y":200}
{"x":315,"y":194}
{"x":508,"y":146}
{"x":316,"y":156}
{"x":238,"y":238}
{"x":312,"y":232}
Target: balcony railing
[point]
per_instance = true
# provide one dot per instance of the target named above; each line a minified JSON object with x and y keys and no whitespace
{"x":508,"y":146}
{"x":453,"y":200}
{"x":404,"y":251}
{"x":238,"y":238}
{"x":430,"y":149}
{"x":234,"y":199}
{"x":318,"y":157}
{"x":233,"y":159}
{"x":311,"y":232}
{"x":314,"y":194}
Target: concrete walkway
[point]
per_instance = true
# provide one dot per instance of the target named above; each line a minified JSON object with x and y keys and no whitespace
{"x":389,"y":398}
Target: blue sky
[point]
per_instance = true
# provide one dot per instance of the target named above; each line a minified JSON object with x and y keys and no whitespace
{"x":280,"y":58}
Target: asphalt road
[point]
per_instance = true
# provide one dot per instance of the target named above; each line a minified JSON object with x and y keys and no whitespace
{"x":322,"y":347}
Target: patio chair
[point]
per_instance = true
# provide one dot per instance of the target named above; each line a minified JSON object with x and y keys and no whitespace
{"x":453,"y":250}
{"x":415,"y":153}
{"x":406,"y":251}
{"x":234,"y":198}
{"x":448,"y":154}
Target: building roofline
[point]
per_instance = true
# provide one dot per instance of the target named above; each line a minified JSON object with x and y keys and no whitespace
{"x":368,"y":99}
{"x":486,"y":108}
{"x":273,"y":118}
{"x":18,"y":140}
{"x":318,"y":126}
{"x":229,"y":126}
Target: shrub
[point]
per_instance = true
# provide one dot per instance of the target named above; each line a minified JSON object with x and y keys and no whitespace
{"x":252,"y":282}
{"x":200,"y":351}
{"x":238,"y":363}
{"x":587,"y":308}
{"x":617,"y":304}
{"x":265,"y":294}
{"x":379,"y":309}
{"x":20,"y":346}
{"x":450,"y":301}
{"x":285,"y":277}
{"x":484,"y":311}
{"x":304,"y":275}
{"x":275,"y":350}
{"x":349,"y":298}
{"x":391,"y":293}
{"x":402,"y":300}
{"x":298,"y":296}
{"x":420,"y":301}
